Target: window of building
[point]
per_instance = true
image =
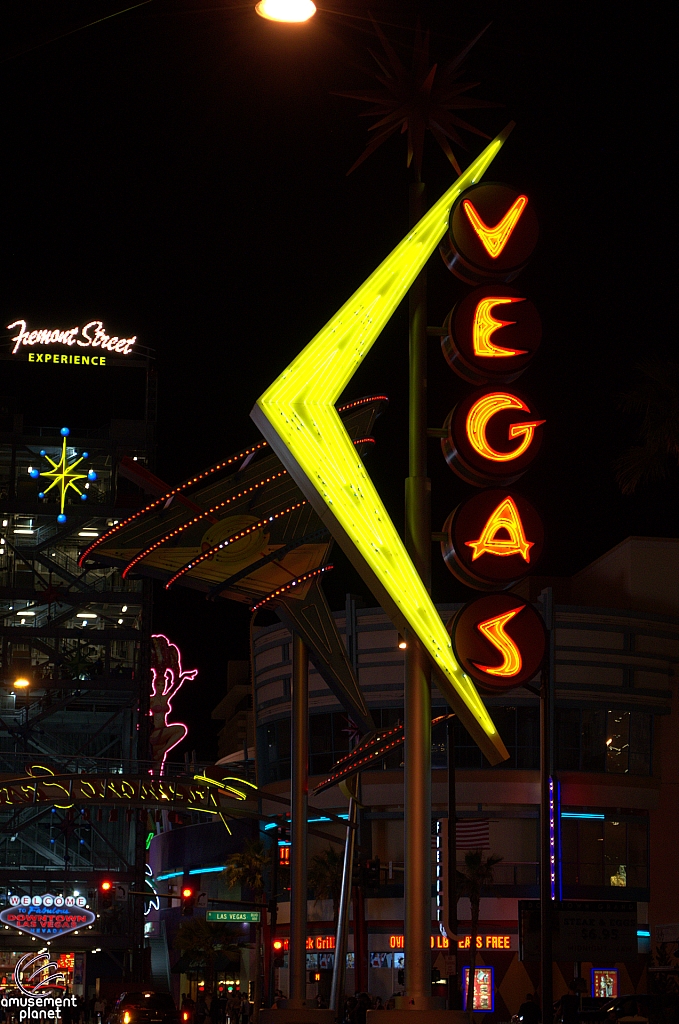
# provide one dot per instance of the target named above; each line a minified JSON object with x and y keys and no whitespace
{"x":520,"y":730}
{"x":331,"y":736}
{"x":606,"y":851}
{"x":597,"y":740}
{"x":278,"y":750}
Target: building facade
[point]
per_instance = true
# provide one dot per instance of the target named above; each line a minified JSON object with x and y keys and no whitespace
{"x":615,"y":730}
{"x":75,"y":647}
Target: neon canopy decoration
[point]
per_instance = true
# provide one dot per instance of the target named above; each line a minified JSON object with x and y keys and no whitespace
{"x":241,"y":530}
{"x":297,"y":416}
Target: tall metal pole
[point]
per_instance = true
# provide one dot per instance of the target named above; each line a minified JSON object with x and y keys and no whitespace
{"x":417,"y":759}
{"x":299,"y":788}
{"x":545,"y":814}
{"x":452,"y":861}
{"x":341,"y":941}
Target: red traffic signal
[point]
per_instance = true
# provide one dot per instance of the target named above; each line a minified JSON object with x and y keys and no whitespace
{"x":106,"y":891}
{"x":188,"y":900}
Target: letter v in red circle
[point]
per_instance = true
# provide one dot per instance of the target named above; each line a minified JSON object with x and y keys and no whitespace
{"x":495,"y":238}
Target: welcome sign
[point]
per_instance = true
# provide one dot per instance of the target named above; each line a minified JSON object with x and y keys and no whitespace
{"x":47,"y":916}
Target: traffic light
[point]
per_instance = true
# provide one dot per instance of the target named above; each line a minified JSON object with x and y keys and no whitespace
{"x":372,"y":873}
{"x":313,"y":977}
{"x":188,"y":901}
{"x":106,"y":891}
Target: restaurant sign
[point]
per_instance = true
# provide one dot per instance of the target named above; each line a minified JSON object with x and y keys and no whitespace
{"x":581,"y":930}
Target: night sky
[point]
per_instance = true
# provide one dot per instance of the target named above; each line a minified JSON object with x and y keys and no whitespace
{"x":179,"y":171}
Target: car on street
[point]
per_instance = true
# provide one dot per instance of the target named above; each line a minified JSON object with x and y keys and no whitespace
{"x":145,"y":1007}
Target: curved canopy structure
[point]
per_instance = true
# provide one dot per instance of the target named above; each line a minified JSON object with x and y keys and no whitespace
{"x":242,"y":530}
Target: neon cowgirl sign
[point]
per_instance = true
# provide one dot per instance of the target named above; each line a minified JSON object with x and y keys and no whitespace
{"x":167,"y":678}
{"x":92,"y":335}
{"x":35,"y":974}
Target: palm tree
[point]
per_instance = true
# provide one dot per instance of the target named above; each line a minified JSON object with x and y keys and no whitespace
{"x":477,"y":873}
{"x":325,"y":876}
{"x":201,"y":943}
{"x":654,"y":397}
{"x":248,"y":870}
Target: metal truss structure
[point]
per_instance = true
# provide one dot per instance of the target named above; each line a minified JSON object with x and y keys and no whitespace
{"x":80,"y":638}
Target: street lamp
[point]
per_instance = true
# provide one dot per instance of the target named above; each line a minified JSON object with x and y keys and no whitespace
{"x":289,"y":11}
{"x":21,"y":683}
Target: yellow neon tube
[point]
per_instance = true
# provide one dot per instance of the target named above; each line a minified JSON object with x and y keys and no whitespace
{"x":298,"y":418}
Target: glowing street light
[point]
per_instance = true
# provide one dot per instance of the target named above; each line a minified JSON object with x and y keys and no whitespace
{"x":21,"y":683}
{"x":290,"y":11}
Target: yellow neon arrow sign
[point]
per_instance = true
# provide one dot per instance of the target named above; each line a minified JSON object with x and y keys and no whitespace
{"x":298,"y":418}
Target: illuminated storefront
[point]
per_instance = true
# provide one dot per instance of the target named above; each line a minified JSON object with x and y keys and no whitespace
{"x":484,"y":989}
{"x":605,"y":982}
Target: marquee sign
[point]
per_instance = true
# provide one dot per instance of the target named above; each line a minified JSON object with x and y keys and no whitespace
{"x":313,"y":942}
{"x":47,"y":916}
{"x":92,"y":337}
{"x":494,"y":538}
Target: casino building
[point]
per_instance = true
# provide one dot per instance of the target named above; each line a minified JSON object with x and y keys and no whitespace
{"x":73,"y":643}
{"x":616,"y":758}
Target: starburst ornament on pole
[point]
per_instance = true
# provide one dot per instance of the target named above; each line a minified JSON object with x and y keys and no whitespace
{"x":64,"y":475}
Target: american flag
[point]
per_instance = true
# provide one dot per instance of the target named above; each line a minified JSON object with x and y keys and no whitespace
{"x":472,"y":834}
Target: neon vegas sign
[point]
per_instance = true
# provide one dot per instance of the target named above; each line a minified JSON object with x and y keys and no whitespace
{"x":92,"y":335}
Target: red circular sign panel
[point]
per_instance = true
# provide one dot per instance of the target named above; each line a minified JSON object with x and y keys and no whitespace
{"x":491,"y":235}
{"x":493,"y":436}
{"x":491,"y":335}
{"x":500,"y":641}
{"x":493,"y":540}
